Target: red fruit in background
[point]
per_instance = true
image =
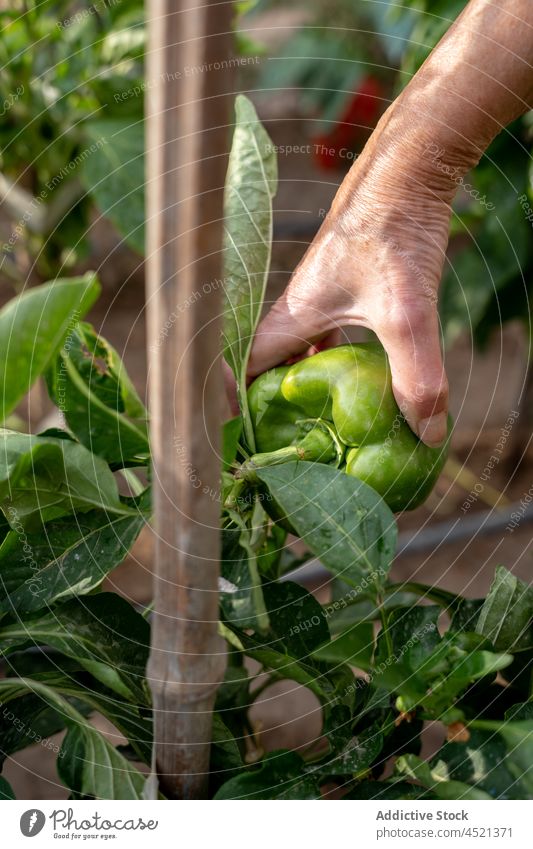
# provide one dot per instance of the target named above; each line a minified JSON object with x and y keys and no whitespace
{"x":356,"y":122}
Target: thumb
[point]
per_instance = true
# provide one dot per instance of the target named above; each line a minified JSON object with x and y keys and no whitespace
{"x":411,"y":339}
{"x":286,"y":331}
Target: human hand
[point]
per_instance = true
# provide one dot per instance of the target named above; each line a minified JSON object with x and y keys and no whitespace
{"x":378,"y":257}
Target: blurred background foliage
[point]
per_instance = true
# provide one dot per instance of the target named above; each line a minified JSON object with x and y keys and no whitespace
{"x":70,"y":134}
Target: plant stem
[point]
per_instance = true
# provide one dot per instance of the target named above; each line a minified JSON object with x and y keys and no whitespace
{"x":317,"y":446}
{"x":384,"y":626}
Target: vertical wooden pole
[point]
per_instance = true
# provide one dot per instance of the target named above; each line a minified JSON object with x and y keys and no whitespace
{"x":187,"y":141}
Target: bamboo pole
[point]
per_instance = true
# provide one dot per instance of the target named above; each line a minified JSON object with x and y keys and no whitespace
{"x":187,"y":140}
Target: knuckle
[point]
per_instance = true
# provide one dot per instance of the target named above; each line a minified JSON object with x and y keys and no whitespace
{"x":431,"y":395}
{"x":408,"y":320}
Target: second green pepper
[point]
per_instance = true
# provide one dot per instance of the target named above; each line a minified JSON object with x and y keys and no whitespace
{"x":338,"y":407}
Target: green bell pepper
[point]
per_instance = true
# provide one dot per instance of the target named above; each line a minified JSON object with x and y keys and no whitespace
{"x":338,"y":407}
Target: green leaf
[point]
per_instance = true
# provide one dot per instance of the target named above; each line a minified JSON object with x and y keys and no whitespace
{"x":90,"y":765}
{"x":32,"y":328}
{"x":437,"y":595}
{"x":518,"y":737}
{"x":43,"y":478}
{"x":69,"y":557}
{"x":413,"y":633}
{"x":250,"y":186}
{"x":520,"y":711}
{"x":343,"y":521}
{"x":506,"y":614}
{"x":237,"y":596}
{"x":346,"y":610}
{"x":114,"y":175}
{"x":89,"y":383}
{"x":281,"y":663}
{"x":356,"y":756}
{"x":233,"y":692}
{"x":418,"y":770}
{"x":68,"y":678}
{"x":225,"y":754}
{"x":103,"y":632}
{"x":354,"y":646}
{"x":297,"y":621}
{"x":465,"y":615}
{"x":26,"y":721}
{"x":6,"y":791}
{"x":481,"y":762}
{"x":281,"y":775}
{"x":385,"y":790}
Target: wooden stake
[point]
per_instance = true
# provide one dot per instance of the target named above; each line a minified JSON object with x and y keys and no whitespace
{"x":187,"y":98}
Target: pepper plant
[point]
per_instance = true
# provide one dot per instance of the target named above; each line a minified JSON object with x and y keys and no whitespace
{"x":384,"y":661}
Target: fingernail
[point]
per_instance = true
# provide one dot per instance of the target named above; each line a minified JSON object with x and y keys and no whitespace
{"x":433,"y":430}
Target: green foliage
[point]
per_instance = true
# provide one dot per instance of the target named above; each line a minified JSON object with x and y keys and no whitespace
{"x":250,"y":187}
{"x":114,"y":177}
{"x":101,"y":405}
{"x":380,"y":663}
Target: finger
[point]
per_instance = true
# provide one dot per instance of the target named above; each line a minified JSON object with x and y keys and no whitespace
{"x":331,"y":340}
{"x":286,"y":332}
{"x":410,"y":335}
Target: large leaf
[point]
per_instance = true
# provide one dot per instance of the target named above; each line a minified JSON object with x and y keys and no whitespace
{"x":44,"y":477}
{"x":281,"y":775}
{"x":417,"y":769}
{"x":225,"y":757}
{"x":89,"y":765}
{"x":297,"y":621}
{"x":507,"y":611}
{"x":103,"y":632}
{"x":250,"y":186}
{"x":279,"y":662}
{"x":69,"y":557}
{"x":343,"y":521}
{"x":355,"y":757}
{"x":231,"y":434}
{"x":114,"y":175}
{"x":67,"y":677}
{"x":32,"y":328}
{"x":413,"y":634}
{"x":89,"y":383}
{"x":26,"y":721}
